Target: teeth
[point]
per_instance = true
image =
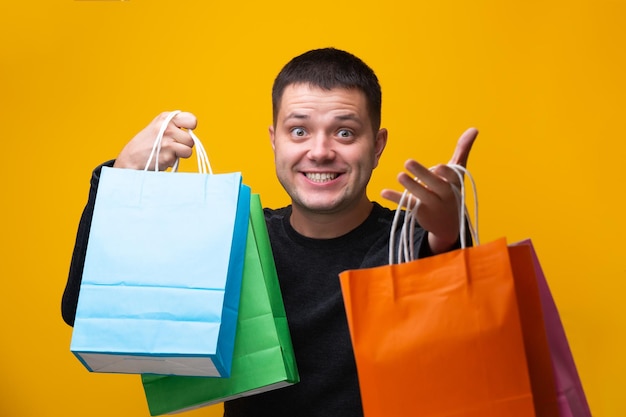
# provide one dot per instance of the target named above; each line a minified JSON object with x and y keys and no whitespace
{"x":321,"y":177}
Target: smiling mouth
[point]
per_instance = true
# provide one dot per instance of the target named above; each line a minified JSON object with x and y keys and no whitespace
{"x":321,"y":176}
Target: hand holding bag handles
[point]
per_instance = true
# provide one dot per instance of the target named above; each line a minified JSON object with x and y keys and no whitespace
{"x":204,"y":167}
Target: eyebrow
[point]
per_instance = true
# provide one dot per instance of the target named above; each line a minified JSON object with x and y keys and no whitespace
{"x":349,"y":116}
{"x":298,"y":116}
{"x":341,"y":117}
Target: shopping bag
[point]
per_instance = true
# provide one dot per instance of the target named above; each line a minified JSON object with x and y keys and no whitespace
{"x":263,"y":357}
{"x":162,"y":275}
{"x":571,"y":397}
{"x":439,"y":336}
{"x":533,"y":329}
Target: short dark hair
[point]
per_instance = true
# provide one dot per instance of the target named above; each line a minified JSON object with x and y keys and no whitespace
{"x":329,"y":68}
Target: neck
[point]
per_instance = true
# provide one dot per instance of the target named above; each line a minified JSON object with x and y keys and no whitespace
{"x":330,"y":225}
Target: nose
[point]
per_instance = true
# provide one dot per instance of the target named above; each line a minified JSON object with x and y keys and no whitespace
{"x":321,"y":148}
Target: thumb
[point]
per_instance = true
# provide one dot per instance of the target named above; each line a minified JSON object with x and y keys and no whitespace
{"x":463,"y":147}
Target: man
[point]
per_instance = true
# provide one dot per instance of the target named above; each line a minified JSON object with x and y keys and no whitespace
{"x":327,"y":140}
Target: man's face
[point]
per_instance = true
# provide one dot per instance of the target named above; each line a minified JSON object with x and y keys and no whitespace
{"x":325,"y":148}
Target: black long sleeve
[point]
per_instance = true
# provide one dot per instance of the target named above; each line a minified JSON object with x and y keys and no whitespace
{"x":70,"y":295}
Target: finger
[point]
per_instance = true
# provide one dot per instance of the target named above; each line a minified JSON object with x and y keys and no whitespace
{"x":418,"y":189}
{"x":179,"y":136}
{"x":185,"y":120}
{"x":464,"y":146}
{"x":176,"y":129}
{"x":448,"y":174}
{"x":391,"y":195}
{"x":396,"y":197}
{"x":167,"y":158}
{"x":424,"y":177}
{"x":182,"y":150}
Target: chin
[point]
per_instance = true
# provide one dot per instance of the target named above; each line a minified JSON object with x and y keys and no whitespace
{"x":319,"y":207}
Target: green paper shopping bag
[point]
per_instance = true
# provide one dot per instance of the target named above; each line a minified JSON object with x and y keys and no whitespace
{"x":263,"y":357}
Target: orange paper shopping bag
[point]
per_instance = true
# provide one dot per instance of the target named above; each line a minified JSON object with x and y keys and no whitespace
{"x":541,"y":324}
{"x":439,"y":336}
{"x":536,"y":343}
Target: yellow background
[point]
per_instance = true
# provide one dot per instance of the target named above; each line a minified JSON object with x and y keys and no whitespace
{"x":543,"y":80}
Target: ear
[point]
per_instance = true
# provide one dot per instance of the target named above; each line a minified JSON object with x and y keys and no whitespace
{"x":379,"y":145}
{"x":271,"y":130}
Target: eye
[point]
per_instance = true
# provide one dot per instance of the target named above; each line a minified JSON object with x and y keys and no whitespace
{"x":298,"y":132}
{"x":345,"y":134}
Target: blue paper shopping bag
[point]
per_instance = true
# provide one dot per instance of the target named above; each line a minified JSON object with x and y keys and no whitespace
{"x":162,"y":277}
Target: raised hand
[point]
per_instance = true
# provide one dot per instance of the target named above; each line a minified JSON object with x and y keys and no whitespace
{"x":438,"y":210}
{"x":176,"y":143}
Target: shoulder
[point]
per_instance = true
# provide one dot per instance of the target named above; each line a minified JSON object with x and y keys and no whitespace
{"x":383,"y":217}
{"x":272,"y":215}
{"x":275,"y":219}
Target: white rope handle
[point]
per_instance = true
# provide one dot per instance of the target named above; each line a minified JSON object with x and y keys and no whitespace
{"x":406,"y":245}
{"x":405,"y":250}
{"x":464,"y":213}
{"x":204,"y":167}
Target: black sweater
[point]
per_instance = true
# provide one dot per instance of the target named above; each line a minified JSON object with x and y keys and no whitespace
{"x":308,"y":274}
